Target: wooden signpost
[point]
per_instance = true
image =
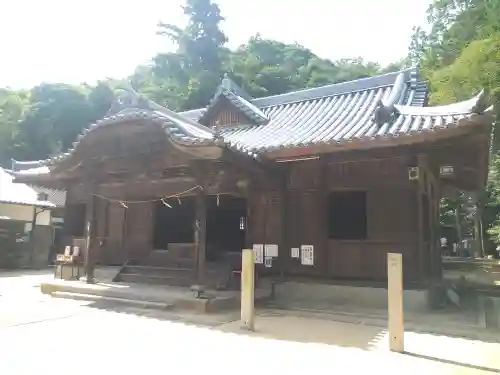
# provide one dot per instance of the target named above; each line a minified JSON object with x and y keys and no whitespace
{"x":395,"y":304}
{"x":248,"y":289}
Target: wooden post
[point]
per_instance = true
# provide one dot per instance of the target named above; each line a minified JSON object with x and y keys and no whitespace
{"x":395,"y":301}
{"x":201,"y":236}
{"x":248,"y":289}
{"x":32,"y":236}
{"x":89,"y":239}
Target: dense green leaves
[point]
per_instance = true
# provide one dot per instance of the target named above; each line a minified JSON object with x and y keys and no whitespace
{"x":48,"y":118}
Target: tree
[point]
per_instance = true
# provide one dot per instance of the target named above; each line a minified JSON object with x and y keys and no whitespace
{"x":12,"y":109}
{"x":460,"y":56}
{"x":197,"y":66}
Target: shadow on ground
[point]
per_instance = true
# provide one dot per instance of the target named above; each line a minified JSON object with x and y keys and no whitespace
{"x":271,"y":324}
{"x":466,"y":354}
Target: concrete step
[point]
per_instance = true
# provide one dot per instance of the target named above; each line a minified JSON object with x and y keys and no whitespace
{"x":157,"y":271}
{"x":173,"y":280}
{"x":183,"y":250}
{"x":174,"y":251}
{"x":170,"y":263}
{"x":122,"y":301}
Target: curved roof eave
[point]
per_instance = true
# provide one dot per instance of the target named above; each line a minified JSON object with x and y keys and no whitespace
{"x":180,"y":130}
{"x":463,"y":126}
{"x":464,"y":107}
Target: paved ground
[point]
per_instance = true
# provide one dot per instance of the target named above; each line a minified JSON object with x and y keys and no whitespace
{"x":40,"y":335}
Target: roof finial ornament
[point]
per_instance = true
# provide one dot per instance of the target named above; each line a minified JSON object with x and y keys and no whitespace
{"x":227,"y":82}
{"x":127,"y":98}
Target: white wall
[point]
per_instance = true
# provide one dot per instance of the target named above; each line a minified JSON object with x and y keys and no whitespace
{"x":24,"y":213}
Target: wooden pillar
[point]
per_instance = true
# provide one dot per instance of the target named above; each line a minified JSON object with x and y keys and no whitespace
{"x":201,"y":236}
{"x":428,"y":186}
{"x":90,"y":249}
{"x":249,"y":197}
{"x":430,"y":252}
{"x":420,"y":189}
{"x":284,"y":250}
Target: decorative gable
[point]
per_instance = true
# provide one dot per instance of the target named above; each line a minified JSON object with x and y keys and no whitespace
{"x":230,"y":106}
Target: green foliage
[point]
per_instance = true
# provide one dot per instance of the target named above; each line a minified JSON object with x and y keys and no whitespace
{"x":460,"y":56}
{"x":477,"y":67}
{"x":493,"y":202}
{"x":48,"y":118}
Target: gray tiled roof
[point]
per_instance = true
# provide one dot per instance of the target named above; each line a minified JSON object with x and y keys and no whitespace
{"x":381,"y":107}
{"x":179,"y":128}
{"x":24,"y":165}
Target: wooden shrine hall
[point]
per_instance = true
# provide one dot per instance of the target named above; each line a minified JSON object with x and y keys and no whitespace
{"x":321,"y":182}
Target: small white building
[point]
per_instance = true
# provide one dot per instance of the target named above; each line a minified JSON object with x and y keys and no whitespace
{"x":22,"y":202}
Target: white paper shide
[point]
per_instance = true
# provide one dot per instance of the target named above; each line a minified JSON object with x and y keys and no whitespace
{"x":307,"y":255}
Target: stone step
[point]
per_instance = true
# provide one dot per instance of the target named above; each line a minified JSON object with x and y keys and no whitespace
{"x":122,"y":301}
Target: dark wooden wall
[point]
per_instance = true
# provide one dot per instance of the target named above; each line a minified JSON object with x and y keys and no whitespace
{"x":392,"y":217}
{"x":289,"y":215}
{"x":291,"y":218}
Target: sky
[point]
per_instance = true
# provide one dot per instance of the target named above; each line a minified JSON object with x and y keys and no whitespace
{"x":82,"y":41}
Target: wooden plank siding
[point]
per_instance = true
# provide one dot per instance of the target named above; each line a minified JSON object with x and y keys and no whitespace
{"x":139,"y":230}
{"x":226,"y":114}
{"x":391,"y":217}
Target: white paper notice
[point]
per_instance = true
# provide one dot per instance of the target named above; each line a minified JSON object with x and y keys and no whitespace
{"x":295,"y":252}
{"x":258,"y":253}
{"x":307,"y":255}
{"x":271,"y":251}
{"x":268,"y":262}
